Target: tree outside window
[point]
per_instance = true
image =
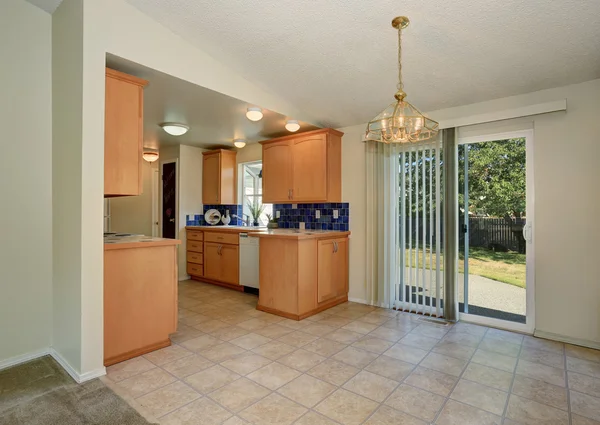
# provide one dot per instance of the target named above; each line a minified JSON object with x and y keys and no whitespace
{"x":252,"y":191}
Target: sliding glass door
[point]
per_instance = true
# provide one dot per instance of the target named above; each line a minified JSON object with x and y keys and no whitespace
{"x":495,"y":276}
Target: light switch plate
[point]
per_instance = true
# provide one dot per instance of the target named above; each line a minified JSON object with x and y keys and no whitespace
{"x":336,"y":214}
{"x":294,"y":206}
{"x":278,"y":214}
{"x":317,"y":213}
{"x":302,"y":225}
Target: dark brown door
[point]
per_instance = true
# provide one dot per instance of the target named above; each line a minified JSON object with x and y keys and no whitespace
{"x":169,"y":200}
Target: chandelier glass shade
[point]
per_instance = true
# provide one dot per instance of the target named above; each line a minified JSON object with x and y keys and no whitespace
{"x":400,"y":122}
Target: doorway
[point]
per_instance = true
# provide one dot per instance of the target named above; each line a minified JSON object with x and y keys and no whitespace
{"x":169,"y":199}
{"x":495,"y":193}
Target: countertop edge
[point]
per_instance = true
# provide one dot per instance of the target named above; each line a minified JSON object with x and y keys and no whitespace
{"x":150,"y":244}
{"x":224,"y":229}
{"x":327,"y":235}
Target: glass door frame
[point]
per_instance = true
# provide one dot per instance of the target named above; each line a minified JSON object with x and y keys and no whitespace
{"x":529,"y":325}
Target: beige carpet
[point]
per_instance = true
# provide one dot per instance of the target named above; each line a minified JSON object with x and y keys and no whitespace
{"x":40,"y":392}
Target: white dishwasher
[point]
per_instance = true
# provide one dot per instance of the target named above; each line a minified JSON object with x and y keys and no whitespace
{"x":248,"y":261}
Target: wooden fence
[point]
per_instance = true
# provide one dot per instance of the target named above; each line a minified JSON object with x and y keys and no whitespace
{"x":485,"y":232}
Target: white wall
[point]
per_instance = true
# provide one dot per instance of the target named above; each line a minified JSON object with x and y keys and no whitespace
{"x":133,"y":214}
{"x":249,"y":153}
{"x":566,"y":178}
{"x":26,"y":180}
{"x":190,"y":195}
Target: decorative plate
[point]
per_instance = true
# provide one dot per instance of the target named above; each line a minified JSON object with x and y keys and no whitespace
{"x":212,"y":217}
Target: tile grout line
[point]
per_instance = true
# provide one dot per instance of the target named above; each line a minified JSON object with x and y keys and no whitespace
{"x":383,"y":403}
{"x":512,"y":382}
{"x":437,"y":416}
{"x":567,"y":385}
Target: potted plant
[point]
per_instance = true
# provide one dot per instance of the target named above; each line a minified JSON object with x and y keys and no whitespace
{"x":272,"y":224}
{"x":256,"y":211}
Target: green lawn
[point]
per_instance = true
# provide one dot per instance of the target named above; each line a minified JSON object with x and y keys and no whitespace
{"x":507,"y":267}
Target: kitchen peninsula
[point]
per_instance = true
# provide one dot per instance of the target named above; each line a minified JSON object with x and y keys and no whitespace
{"x":302,"y":272}
{"x":140,"y":295}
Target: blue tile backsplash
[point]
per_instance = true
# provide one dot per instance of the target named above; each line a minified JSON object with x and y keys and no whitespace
{"x":291,"y":218}
{"x":198,"y":219}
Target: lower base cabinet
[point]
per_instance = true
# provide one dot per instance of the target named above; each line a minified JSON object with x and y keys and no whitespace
{"x":332,"y":266}
{"x":301,"y":277}
{"x":213,"y":256}
{"x":221,"y":262}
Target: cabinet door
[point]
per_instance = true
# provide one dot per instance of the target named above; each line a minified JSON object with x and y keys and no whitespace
{"x":221,"y":262}
{"x":340,"y":268}
{"x":230,"y":264}
{"x":122,"y":138}
{"x":211,"y":181}
{"x":212,"y":261}
{"x":309,"y":169}
{"x":332,"y":269}
{"x":277,"y":177}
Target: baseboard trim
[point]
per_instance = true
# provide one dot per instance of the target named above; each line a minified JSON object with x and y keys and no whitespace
{"x":23,"y":358}
{"x":78,"y":377}
{"x":562,"y":338}
{"x":185,"y":277}
{"x":359,"y":301}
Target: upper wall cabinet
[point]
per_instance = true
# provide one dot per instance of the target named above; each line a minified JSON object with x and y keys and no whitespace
{"x":301,"y":168}
{"x":219,"y":177}
{"x":123,"y":134}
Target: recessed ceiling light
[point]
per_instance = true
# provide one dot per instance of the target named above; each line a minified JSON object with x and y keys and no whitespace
{"x":150,"y":156}
{"x":292,"y":125}
{"x":239,"y":143}
{"x":254,"y":114}
{"x":174,"y":128}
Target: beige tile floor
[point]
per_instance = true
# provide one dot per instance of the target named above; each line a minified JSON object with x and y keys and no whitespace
{"x":353,"y":364}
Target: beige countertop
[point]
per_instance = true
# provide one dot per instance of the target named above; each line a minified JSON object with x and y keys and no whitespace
{"x":136,"y":241}
{"x":233,"y":229}
{"x":299,"y":234}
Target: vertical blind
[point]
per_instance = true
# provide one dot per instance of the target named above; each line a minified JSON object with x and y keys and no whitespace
{"x":418,"y":286}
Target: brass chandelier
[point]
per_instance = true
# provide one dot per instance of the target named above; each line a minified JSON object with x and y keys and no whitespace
{"x":400,"y":122}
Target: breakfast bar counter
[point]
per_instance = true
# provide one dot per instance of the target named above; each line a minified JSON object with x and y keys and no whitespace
{"x":140,"y":295}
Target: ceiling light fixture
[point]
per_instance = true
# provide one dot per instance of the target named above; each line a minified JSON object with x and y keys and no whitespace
{"x":239,"y":143}
{"x":292,"y":125}
{"x":254,"y":114}
{"x":400,"y":122}
{"x":150,"y":156}
{"x":174,"y":128}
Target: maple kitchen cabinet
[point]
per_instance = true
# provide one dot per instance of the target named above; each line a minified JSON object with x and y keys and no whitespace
{"x":219,"y":177}
{"x":332,"y":269}
{"x":123,"y":134}
{"x":305,"y":167}
{"x":213,"y":254}
{"x":302,"y":273}
{"x":140,"y":295}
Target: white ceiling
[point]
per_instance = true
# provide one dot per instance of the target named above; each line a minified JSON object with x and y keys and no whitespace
{"x":214,"y":118}
{"x":337,"y":58}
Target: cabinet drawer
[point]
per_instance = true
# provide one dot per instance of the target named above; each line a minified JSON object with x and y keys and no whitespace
{"x":195,"y":269}
{"x":195,"y":257}
{"x":229,"y":238}
{"x":195,"y":235}
{"x":195,"y":246}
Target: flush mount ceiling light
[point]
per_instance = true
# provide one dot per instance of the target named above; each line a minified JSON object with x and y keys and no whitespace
{"x":400,"y":122}
{"x":174,"y":128}
{"x":254,"y":114}
{"x":239,"y":143}
{"x":150,"y":156}
{"x":292,"y":125}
